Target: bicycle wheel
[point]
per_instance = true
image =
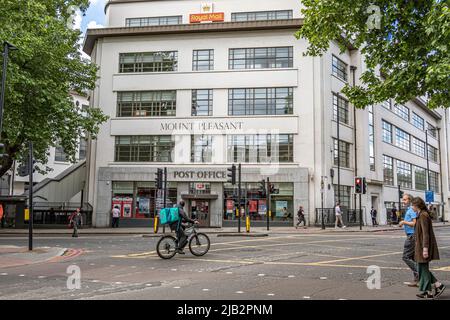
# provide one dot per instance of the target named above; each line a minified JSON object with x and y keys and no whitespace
{"x":166,"y":247}
{"x":199,"y":244}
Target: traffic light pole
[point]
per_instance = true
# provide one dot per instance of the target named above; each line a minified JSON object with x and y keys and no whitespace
{"x":30,"y":200}
{"x":399,"y":201}
{"x":360,"y":213}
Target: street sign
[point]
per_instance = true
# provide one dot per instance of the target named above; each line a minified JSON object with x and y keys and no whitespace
{"x":429,"y":196}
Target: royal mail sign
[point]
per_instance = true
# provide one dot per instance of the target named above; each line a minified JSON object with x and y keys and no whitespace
{"x":207,"y":17}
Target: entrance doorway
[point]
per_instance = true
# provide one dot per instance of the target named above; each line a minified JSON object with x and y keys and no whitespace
{"x":199,"y":209}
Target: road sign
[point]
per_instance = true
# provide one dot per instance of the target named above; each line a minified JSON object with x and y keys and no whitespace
{"x":429,"y":196}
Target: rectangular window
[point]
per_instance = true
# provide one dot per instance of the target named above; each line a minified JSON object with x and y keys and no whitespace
{"x":387,"y":132}
{"x":261,"y":101}
{"x":420,"y":175}
{"x":144,"y":148}
{"x":341,"y":156}
{"x":432,"y":154}
{"x":386,"y":104}
{"x":201,"y":148}
{"x":401,"y":111}
{"x":434,"y":181}
{"x":153,"y":21}
{"x":261,"y":148}
{"x":371,"y":139}
{"x":147,"y":104}
{"x":431,"y":130}
{"x":404,"y":175}
{"x":339,"y":68}
{"x":60,"y":155}
{"x":418,"y":121}
{"x":161,"y":61}
{"x":261,"y":58}
{"x":261,"y":15}
{"x":388,"y":170}
{"x":339,"y":103}
{"x":83,"y":149}
{"x":344,"y":194}
{"x":203,"y":60}
{"x":418,"y":147}
{"x":402,"y":139}
{"x":202,"y":102}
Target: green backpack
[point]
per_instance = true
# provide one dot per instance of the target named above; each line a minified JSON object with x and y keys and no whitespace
{"x":169,"y":215}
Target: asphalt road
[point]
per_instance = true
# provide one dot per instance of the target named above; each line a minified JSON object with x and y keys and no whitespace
{"x":281,"y":266}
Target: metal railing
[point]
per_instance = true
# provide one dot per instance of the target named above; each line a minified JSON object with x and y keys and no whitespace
{"x":58,"y":214}
{"x":350,"y":217}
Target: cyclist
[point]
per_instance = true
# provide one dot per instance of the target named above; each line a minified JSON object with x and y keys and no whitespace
{"x":179,"y":227}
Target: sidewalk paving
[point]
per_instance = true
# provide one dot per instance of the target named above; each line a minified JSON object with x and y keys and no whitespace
{"x":229,"y":231}
{"x":13,"y":256}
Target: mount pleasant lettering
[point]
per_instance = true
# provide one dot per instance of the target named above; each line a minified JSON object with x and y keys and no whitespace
{"x":202,"y":126}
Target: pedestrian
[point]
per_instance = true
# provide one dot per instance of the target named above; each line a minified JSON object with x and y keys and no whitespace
{"x":74,"y":220}
{"x":394,"y":215}
{"x":373,"y":214}
{"x":408,"y":249}
{"x":115,"y":216}
{"x":301,"y":217}
{"x":338,"y":213}
{"x":426,"y":250}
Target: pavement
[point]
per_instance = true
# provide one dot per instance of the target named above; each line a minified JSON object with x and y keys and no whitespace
{"x":13,"y":256}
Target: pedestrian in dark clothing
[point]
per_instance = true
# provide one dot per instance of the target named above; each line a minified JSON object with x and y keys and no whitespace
{"x":394,"y":215}
{"x":179,"y":227}
{"x":74,"y":220}
{"x":373,"y":214}
{"x":301,"y":217}
{"x":426,"y":250}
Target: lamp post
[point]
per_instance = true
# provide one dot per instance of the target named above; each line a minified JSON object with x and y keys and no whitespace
{"x":6,"y":48}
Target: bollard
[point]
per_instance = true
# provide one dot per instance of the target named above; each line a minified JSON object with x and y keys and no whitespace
{"x":247,"y":223}
{"x":155,"y":225}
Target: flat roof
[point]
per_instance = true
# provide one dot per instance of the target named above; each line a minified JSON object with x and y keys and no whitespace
{"x":92,"y":35}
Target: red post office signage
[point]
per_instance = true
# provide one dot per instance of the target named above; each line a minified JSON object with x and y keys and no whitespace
{"x":207,"y":17}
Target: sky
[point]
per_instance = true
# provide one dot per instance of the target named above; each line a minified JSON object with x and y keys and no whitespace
{"x":95,"y":16}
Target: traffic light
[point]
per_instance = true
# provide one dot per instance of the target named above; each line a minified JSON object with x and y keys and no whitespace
{"x":262,"y":188}
{"x":24,"y":170}
{"x":232,"y":174}
{"x":359,"y":185}
{"x":364,"y":186}
{"x":400,"y":194}
{"x":159,"y":179}
{"x":272,"y":188}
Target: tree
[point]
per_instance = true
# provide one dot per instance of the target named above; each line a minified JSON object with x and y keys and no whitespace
{"x":409,"y":49}
{"x":41,"y":75}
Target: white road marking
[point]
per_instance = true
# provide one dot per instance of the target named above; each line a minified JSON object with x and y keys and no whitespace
{"x":173,"y":269}
{"x":261,"y":275}
{"x":239,"y":292}
{"x":176,"y":287}
{"x":229,"y":272}
{"x":205,"y":289}
{"x":306,"y":297}
{"x":95,"y":281}
{"x":291,"y":276}
{"x":270,"y":294}
{"x":41,"y":277}
{"x":148,"y":284}
{"x":21,"y":275}
{"x":118,"y":282}
{"x":3,"y":274}
{"x":323,"y":278}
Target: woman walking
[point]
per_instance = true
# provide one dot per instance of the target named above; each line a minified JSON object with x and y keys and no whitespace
{"x":426,"y":250}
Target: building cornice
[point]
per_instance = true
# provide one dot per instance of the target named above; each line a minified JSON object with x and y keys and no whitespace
{"x":92,"y":35}
{"x":422,"y":104}
{"x":126,"y":1}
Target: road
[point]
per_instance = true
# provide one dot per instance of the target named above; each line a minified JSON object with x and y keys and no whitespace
{"x":281,"y":266}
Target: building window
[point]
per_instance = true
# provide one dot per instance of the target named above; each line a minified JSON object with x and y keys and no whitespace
{"x":261,"y":15}
{"x":60,"y":155}
{"x":402,"y":139}
{"x":83,"y":148}
{"x":261,"y":148}
{"x":261,"y":58}
{"x":386,"y":104}
{"x":203,"y":60}
{"x":201,"y":148}
{"x":432,"y":153}
{"x":434,"y":181}
{"x":387,"y":132}
{"x":431,"y":130}
{"x":404,"y":175}
{"x":345,"y":195}
{"x":262,"y":101}
{"x":147,"y":104}
{"x":339,"y":68}
{"x":163,"y":61}
{"x":341,"y":156}
{"x":418,"y":121}
{"x":388,"y":170}
{"x":202,"y":102}
{"x":420,"y":175}
{"x":371,"y":139}
{"x":339,"y":103}
{"x":153,"y":21}
{"x":401,"y":111}
{"x":418,"y":147}
{"x":144,"y":148}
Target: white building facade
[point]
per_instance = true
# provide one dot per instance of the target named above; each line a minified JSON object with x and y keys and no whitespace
{"x":196,"y":86}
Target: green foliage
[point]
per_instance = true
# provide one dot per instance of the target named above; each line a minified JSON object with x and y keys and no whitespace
{"x":410,"y":49}
{"x":41,"y":75}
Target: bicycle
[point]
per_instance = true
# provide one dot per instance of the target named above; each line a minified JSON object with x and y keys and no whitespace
{"x":199,"y":244}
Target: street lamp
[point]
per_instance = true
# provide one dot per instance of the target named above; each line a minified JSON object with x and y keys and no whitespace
{"x":6,"y":48}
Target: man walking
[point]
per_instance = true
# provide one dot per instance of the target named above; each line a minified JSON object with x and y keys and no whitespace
{"x":115,"y":217}
{"x":75,"y":220}
{"x":373,"y":214}
{"x":338,"y":213}
{"x":301,"y":217}
{"x":409,"y":248}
